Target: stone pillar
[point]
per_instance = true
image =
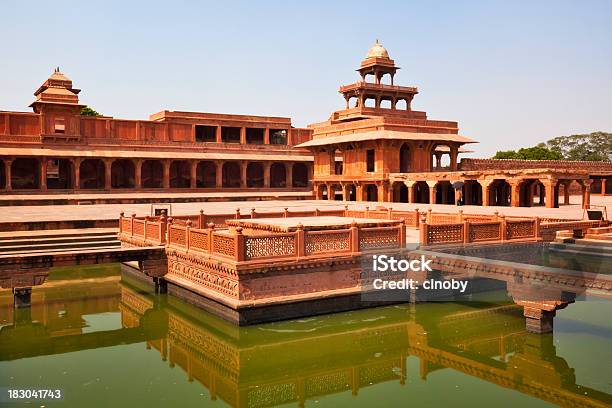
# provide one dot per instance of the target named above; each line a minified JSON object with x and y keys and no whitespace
{"x":267,"y":166}
{"x":193,"y":173}
{"x":108,"y":164}
{"x":454,"y":153}
{"x":549,"y":188}
{"x":603,"y":186}
{"x":138,"y":173}
{"x":537,"y":320}
{"x":218,"y":135}
{"x":76,"y":164}
{"x":243,"y":174}
{"x":266,"y":136}
{"x":43,"y":174}
{"x":7,"y":173}
{"x":359,"y":192}
{"x":515,"y":193}
{"x":331,"y":194}
{"x":438,"y":156}
{"x":219,"y":175}
{"x":166,"y":178}
{"x":486,"y":192}
{"x":410,"y":185}
{"x":243,"y":135}
{"x":432,"y":191}
{"x":586,"y":193}
{"x":566,"y":192}
{"x":289,"y":174}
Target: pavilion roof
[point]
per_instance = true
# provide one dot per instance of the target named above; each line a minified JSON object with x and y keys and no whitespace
{"x":385,"y":134}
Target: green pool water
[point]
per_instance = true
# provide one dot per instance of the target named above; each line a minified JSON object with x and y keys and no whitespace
{"x":107,"y":341}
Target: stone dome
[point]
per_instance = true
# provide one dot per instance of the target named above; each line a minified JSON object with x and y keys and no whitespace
{"x":377,"y":51}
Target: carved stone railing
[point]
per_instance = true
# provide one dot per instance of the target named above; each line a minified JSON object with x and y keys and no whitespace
{"x":468,"y":164}
{"x":143,"y":231}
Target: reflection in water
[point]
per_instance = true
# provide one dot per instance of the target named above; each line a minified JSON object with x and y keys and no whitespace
{"x":366,"y":356}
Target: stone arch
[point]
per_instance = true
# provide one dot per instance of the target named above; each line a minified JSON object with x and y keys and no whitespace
{"x":404,"y":158}
{"x":206,"y":174}
{"x":152,"y":173}
{"x":25,"y":172}
{"x":385,"y":103}
{"x":60,"y":174}
{"x":472,"y":192}
{"x":445,"y":193}
{"x":400,"y":192}
{"x":369,"y":102}
{"x":401,"y":103}
{"x":180,"y":174}
{"x":278,"y":175}
{"x":499,"y":193}
{"x":421,"y":192}
{"x":370,"y":192}
{"x":122,"y":174}
{"x":231,"y":175}
{"x":92,"y":174}
{"x":255,"y":175}
{"x":300,"y":175}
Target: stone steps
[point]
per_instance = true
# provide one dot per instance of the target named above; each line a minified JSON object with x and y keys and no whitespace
{"x":36,"y":242}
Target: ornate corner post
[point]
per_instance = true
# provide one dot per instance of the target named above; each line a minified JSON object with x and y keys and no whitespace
{"x":466,"y":232}
{"x":121,"y":215}
{"x":390,"y":213}
{"x":132,"y":224}
{"x":163,"y":228}
{"x":169,"y":235}
{"x":300,"y":241}
{"x":430,"y":216}
{"x":423,"y":230}
{"x":402,"y":233}
{"x":237,"y":215}
{"x":346,"y":210}
{"x":417,"y":218}
{"x":496,"y":216}
{"x":317,"y":212}
{"x":354,"y":237}
{"x":144,"y":232}
{"x":286,"y":212}
{"x":239,"y":244}
{"x":253,"y":213}
{"x":187,"y":229}
{"x":367,"y":211}
{"x":460,"y":216}
{"x":536,"y":227}
{"x":211,"y":230}
{"x":503,"y":227}
{"x":202,"y":219}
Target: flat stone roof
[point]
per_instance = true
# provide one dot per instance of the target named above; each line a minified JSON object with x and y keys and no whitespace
{"x":309,"y":223}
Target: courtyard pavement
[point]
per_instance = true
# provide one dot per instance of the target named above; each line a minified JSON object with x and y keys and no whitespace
{"x":111,"y":211}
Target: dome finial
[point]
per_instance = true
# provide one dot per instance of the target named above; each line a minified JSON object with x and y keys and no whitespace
{"x":377,"y":51}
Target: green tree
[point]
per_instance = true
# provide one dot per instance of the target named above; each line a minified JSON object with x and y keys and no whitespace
{"x":596,"y":146}
{"x":529,"y":153}
{"x":87,"y":111}
{"x":505,"y":154}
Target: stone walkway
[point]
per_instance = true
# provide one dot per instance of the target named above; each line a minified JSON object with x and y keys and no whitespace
{"x":111,"y":211}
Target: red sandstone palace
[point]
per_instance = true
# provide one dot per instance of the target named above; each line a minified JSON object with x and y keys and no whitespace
{"x":376,"y":149}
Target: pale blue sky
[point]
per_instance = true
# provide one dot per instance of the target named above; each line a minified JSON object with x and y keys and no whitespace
{"x":513,"y":73}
